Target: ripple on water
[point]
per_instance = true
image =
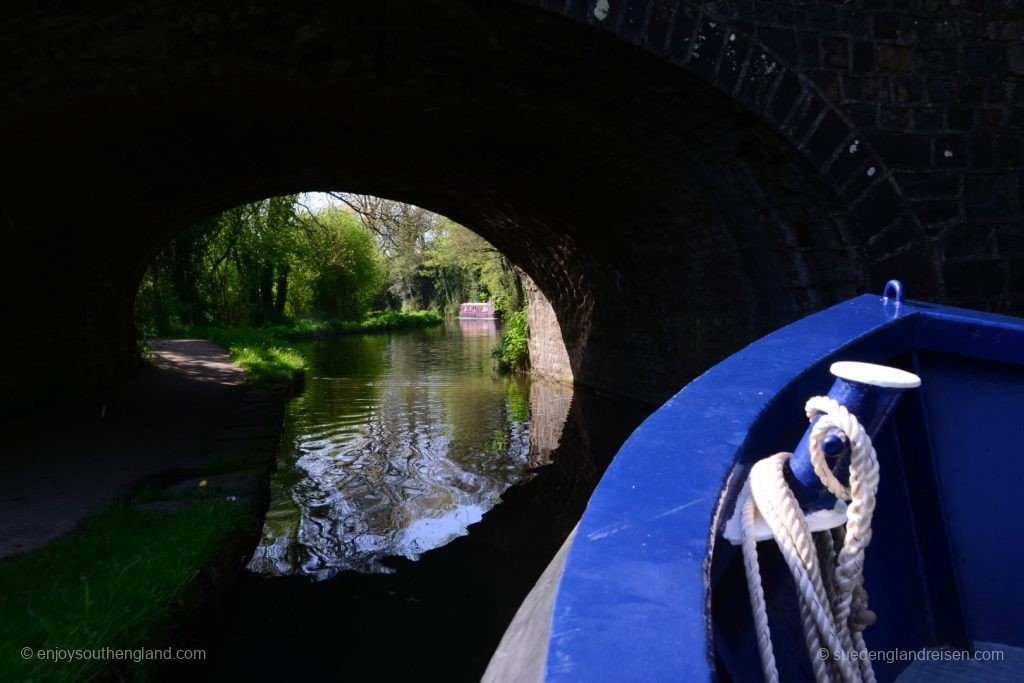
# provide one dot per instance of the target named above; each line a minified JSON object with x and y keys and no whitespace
{"x":397,"y":445}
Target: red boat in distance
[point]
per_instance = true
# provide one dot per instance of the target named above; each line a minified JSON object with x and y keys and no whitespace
{"x":481,"y":309}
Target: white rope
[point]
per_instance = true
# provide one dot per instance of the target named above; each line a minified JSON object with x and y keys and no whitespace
{"x":830,"y":587}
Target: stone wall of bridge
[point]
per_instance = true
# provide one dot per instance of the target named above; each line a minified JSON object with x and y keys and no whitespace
{"x":677,"y":178}
{"x":912,"y":111}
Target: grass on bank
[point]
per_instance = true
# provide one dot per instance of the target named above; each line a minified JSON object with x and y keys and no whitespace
{"x":377,"y":321}
{"x":266,"y":354}
{"x":113,"y":585}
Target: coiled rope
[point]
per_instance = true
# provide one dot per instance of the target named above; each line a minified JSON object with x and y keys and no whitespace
{"x":830,"y":586}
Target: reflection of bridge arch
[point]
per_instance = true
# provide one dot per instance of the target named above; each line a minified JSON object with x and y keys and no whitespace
{"x":666,"y":221}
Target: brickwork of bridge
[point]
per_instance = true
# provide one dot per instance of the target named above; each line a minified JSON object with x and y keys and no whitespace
{"x":676,"y":177}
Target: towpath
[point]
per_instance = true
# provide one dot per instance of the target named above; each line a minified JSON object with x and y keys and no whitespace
{"x":59,"y":466}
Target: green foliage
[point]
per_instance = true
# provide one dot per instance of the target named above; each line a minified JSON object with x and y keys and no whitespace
{"x":341,"y":270}
{"x":383,"y":321}
{"x":259,"y":264}
{"x":113,"y":585}
{"x":269,"y":263}
{"x":432,"y":261}
{"x":512,"y":352}
{"x":465,"y":267}
{"x":232,"y":268}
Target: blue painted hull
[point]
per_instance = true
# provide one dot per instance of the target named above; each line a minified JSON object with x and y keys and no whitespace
{"x":650,"y":591}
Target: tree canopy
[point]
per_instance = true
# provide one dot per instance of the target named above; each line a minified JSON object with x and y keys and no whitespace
{"x":280,"y":259}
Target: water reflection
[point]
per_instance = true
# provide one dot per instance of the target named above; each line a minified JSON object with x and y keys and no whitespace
{"x":549,"y":408}
{"x":397,"y":445}
{"x":478,"y":327}
{"x":444,"y":614}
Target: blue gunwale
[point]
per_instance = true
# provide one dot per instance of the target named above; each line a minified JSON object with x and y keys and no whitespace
{"x":633,"y":602}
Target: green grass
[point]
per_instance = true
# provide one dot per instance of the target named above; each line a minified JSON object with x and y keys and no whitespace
{"x":376,"y":321}
{"x":261,"y":352}
{"x":113,"y":585}
{"x":268,"y":363}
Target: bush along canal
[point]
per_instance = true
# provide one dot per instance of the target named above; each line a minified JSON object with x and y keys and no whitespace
{"x":418,"y":497}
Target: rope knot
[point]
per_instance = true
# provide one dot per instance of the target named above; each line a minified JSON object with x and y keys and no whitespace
{"x":830,"y":587}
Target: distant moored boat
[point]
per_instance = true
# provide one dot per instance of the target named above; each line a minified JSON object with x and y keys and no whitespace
{"x":482,"y":309}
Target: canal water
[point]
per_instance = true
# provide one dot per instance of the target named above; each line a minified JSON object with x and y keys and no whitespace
{"x":397,"y":445}
{"x":418,"y":497}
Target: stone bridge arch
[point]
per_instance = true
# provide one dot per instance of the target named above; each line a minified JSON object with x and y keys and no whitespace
{"x":676,"y":177}
{"x":770,"y":59}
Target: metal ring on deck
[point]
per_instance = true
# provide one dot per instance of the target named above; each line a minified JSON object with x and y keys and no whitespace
{"x":893,"y":290}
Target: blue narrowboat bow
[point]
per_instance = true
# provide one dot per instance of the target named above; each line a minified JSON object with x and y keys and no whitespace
{"x":648,"y":587}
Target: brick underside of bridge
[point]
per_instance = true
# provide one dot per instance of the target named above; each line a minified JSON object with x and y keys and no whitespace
{"x":676,"y":177}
